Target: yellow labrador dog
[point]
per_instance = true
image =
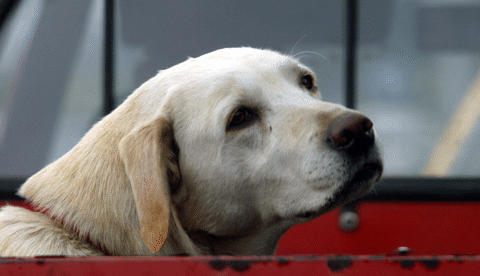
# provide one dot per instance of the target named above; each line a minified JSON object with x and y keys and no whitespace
{"x":220,"y":154}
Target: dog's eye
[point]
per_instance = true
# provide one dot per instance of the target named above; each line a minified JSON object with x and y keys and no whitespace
{"x":240,"y":118}
{"x":307,"y":81}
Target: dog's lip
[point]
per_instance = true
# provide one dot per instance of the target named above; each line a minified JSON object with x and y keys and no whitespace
{"x":369,"y":172}
{"x":360,"y":183}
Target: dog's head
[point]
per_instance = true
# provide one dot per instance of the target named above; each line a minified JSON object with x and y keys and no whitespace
{"x":249,"y":146}
{"x":220,"y":154}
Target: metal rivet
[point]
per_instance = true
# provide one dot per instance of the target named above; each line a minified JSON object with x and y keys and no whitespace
{"x":349,"y":221}
{"x":403,"y":250}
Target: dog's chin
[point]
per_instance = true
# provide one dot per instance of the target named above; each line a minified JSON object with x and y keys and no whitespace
{"x":357,"y":186}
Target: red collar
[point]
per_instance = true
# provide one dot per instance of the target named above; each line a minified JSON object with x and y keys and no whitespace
{"x":30,"y":206}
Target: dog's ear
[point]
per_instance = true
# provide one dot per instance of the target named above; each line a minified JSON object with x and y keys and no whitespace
{"x":146,"y":153}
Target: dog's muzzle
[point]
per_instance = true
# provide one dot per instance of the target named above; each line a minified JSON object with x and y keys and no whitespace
{"x":352,"y":135}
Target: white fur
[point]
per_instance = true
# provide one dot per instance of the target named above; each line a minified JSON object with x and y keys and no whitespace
{"x":226,"y":192}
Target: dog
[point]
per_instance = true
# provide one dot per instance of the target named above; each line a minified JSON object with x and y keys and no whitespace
{"x":218,"y":155}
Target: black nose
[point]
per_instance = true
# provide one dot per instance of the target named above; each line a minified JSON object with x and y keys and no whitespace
{"x":352,"y":132}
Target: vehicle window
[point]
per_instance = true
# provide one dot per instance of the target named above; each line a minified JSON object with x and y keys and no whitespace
{"x":417,"y":75}
{"x":421,"y":86}
{"x":157,"y":35}
{"x":50,"y":81}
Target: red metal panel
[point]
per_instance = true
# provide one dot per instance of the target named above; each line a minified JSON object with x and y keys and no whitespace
{"x":278,"y":266}
{"x":426,"y":228}
{"x":439,"y":229}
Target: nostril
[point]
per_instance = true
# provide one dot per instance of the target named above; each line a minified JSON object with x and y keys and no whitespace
{"x":367,"y":124}
{"x":368,"y":131}
{"x":369,"y":134}
{"x":352,"y":131}
{"x":341,"y":137}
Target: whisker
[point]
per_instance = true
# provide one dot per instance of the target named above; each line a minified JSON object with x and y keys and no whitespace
{"x":312,"y":52}
{"x":291,"y":52}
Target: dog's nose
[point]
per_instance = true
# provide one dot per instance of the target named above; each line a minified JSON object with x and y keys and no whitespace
{"x":353,"y":132}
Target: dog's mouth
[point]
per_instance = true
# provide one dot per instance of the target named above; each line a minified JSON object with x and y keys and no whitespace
{"x":361,"y":183}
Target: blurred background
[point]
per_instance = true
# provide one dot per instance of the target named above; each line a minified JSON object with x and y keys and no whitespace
{"x":418,"y":75}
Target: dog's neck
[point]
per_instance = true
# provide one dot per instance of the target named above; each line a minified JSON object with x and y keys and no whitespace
{"x":29,"y":205}
{"x":264,"y":242}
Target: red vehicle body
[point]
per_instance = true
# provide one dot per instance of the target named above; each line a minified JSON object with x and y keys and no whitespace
{"x":442,"y":238}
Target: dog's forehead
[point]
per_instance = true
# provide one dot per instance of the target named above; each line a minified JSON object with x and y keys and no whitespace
{"x":241,"y":71}
{"x":220,"y":81}
{"x":246,"y":60}
{"x":242,"y":52}
{"x":248,"y":70}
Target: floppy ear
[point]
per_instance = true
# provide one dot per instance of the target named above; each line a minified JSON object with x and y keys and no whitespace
{"x":146,"y":153}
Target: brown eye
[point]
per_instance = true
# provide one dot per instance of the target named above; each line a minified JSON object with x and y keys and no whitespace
{"x":241,"y":118}
{"x":307,"y":81}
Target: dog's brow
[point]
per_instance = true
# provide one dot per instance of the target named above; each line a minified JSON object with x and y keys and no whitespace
{"x":303,"y":70}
